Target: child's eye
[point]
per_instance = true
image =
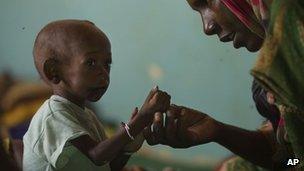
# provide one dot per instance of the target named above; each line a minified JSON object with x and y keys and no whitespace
{"x":91,"y":62}
{"x":108,"y":66}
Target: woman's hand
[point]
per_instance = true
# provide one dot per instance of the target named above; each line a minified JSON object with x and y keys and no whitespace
{"x":184,"y":127}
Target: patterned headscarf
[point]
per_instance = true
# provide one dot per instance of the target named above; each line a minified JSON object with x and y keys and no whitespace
{"x":280,"y":64}
{"x":279,"y":67}
{"x":254,"y":14}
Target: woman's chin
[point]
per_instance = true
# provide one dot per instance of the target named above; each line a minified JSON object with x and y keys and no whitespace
{"x":254,"y":46}
{"x":251,"y":42}
{"x":249,"y":48}
{"x":252,"y":49}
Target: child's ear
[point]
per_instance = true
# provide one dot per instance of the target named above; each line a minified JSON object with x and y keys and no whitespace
{"x":51,"y":70}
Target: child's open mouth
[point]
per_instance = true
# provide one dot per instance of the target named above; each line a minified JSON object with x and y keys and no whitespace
{"x":96,"y":93}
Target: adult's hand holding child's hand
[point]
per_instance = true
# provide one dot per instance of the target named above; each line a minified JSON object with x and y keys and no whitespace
{"x":194,"y":127}
{"x":184,"y":127}
{"x":156,"y":101}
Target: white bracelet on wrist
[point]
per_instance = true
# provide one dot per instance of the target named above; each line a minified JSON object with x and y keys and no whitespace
{"x":127,"y":128}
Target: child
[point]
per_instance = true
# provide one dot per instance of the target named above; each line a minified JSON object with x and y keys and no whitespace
{"x":73,"y":57}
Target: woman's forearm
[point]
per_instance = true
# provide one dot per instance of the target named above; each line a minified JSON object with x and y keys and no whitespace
{"x":250,"y":145}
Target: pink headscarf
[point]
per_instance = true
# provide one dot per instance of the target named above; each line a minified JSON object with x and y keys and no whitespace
{"x":252,"y":13}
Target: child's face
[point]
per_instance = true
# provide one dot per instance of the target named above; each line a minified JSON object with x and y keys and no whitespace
{"x":86,"y":77}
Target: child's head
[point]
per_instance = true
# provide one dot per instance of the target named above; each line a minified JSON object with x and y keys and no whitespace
{"x":74,"y":58}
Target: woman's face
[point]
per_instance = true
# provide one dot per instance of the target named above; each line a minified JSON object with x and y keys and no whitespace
{"x":217,"y":19}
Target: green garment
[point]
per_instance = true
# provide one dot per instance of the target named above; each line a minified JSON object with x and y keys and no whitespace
{"x":280,"y":67}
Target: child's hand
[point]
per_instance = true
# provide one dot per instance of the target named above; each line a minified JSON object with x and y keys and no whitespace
{"x":156,"y":101}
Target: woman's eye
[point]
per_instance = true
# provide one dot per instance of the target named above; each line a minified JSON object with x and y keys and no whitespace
{"x":201,"y":3}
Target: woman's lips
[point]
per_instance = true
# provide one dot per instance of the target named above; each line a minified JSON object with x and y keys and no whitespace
{"x":236,"y":42}
{"x":228,"y":37}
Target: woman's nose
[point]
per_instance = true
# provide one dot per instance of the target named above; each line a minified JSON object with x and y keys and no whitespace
{"x":209,"y":25}
{"x":210,"y":28}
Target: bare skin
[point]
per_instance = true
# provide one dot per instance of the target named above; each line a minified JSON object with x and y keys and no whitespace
{"x":186,"y":127}
{"x":74,"y":58}
{"x":217,"y":19}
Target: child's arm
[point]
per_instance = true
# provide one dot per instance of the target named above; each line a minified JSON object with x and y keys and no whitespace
{"x":105,"y":151}
{"x":119,"y":162}
{"x":122,"y":158}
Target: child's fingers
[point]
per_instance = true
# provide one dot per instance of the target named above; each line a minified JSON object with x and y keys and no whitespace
{"x":161,"y":100}
{"x":151,"y":93}
{"x":167,"y":102}
{"x":134,"y":113}
{"x":164,"y":96}
{"x":157,"y":96}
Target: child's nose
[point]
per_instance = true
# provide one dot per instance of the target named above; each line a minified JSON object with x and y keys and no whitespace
{"x":104,"y":74}
{"x":104,"y":82}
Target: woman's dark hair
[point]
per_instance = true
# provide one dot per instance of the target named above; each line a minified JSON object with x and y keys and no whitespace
{"x":269,"y":111}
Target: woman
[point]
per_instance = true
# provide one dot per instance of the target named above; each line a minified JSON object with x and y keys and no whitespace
{"x":279,"y":69}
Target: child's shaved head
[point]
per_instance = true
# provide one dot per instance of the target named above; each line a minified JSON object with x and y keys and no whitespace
{"x":61,"y":40}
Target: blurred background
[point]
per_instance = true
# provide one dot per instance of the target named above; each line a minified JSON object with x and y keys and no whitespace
{"x":154,"y":42}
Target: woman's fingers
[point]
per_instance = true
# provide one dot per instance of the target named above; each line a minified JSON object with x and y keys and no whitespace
{"x":171,"y":127}
{"x":158,"y":128}
{"x":150,"y":136}
{"x":270,"y":98}
{"x":157,"y":133}
{"x":151,"y":94}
